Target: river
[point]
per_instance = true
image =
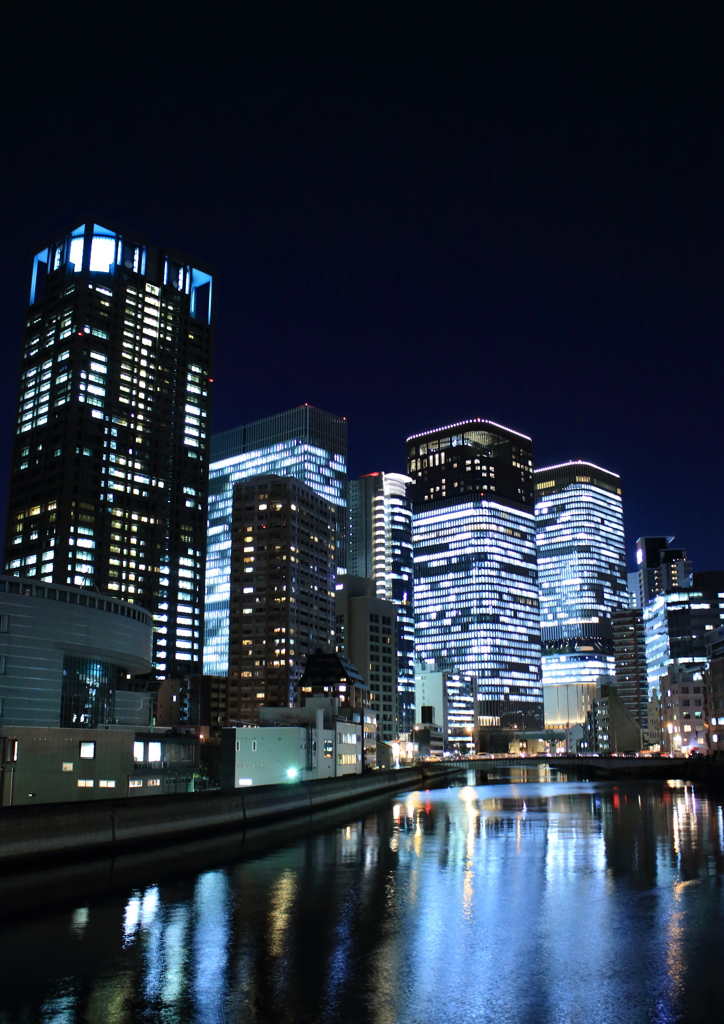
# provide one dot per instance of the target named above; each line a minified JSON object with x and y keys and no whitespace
{"x":515,"y":901}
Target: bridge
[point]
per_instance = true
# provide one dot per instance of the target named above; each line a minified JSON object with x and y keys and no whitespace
{"x":694,"y":769}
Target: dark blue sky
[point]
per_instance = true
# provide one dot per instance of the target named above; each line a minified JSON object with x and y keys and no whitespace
{"x":415,"y":215}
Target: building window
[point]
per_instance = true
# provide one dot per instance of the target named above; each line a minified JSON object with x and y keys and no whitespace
{"x":87,"y":750}
{"x":3,"y":667}
{"x":4,"y":622}
{"x":153,"y":782}
{"x":253,"y":746}
{"x":85,"y":783}
{"x":137,"y":751}
{"x":154,"y":751}
{"x":67,"y":766}
{"x":107,"y":784}
{"x":86,"y":698}
{"x":135,"y":783}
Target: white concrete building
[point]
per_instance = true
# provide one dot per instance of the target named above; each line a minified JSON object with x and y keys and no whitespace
{"x":318,"y":741}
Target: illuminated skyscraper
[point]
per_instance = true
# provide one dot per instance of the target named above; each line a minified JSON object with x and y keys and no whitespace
{"x":305,"y":443}
{"x":582,"y":580}
{"x":108,"y":484}
{"x":476,"y":582}
{"x":679,"y":623}
{"x":661,"y":568}
{"x":379,"y":547}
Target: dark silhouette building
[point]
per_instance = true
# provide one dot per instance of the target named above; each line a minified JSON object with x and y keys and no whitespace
{"x":109,"y":466}
{"x":282,"y":590}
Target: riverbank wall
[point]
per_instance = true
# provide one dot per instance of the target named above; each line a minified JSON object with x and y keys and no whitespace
{"x":73,"y":830}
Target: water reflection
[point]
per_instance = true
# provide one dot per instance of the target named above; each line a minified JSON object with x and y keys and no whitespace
{"x":510,"y":901}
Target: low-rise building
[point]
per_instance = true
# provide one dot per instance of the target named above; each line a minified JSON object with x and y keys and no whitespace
{"x":713,"y":687}
{"x":42,"y":765}
{"x":332,"y":677}
{"x":610,"y":727}
{"x":64,"y":652}
{"x":683,"y":723}
{"x":319,"y":741}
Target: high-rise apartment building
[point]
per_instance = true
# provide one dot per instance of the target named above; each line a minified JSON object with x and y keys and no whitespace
{"x":305,"y":443}
{"x":366,"y":635}
{"x":476,"y":581}
{"x":379,"y":547}
{"x":582,"y":581}
{"x":629,"y":650}
{"x":109,"y":467}
{"x":282,"y":590}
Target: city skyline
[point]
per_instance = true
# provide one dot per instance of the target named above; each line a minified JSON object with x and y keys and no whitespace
{"x":559,"y":243}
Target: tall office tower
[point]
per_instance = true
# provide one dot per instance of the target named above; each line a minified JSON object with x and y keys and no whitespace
{"x":678,"y":625}
{"x":582,"y":581}
{"x":660,"y":568}
{"x":366,"y":636}
{"x":108,"y":484}
{"x":282,"y":590}
{"x":379,"y":547}
{"x":629,"y":650}
{"x":305,"y":443}
{"x":476,"y":581}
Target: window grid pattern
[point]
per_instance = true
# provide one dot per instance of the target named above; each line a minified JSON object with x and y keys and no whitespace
{"x":323,"y":470}
{"x":476,"y":602}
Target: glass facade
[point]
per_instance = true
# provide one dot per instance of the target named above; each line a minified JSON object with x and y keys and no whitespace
{"x":380,"y":548}
{"x":109,"y":476}
{"x":476,"y":583}
{"x":305,"y":443}
{"x":87,"y":692}
{"x":677,"y":626}
{"x":582,"y":577}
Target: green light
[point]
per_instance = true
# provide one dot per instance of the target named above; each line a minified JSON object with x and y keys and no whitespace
{"x":292,"y":773}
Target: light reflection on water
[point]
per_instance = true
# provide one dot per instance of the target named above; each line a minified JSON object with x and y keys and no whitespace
{"x":511,"y":902}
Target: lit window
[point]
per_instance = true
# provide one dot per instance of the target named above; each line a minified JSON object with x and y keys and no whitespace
{"x":153,"y":782}
{"x":154,"y":751}
{"x":67,"y":766}
{"x":138,"y":751}
{"x":87,"y":750}
{"x":107,"y":784}
{"x":135,"y":784}
{"x":85,"y":783}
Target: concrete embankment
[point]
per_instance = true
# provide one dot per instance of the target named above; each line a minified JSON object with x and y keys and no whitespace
{"x":51,"y":831}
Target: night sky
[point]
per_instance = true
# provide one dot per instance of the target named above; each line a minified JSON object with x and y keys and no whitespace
{"x":416,"y":214}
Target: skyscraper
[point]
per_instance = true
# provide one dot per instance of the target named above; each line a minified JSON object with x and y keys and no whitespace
{"x":476,"y":582}
{"x":108,"y":484}
{"x":282,"y":590}
{"x":661,"y":567}
{"x":678,"y":625}
{"x":582,"y":580}
{"x":305,"y":443}
{"x":379,"y":547}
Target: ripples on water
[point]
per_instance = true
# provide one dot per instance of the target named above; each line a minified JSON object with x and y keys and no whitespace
{"x":512,"y":903}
